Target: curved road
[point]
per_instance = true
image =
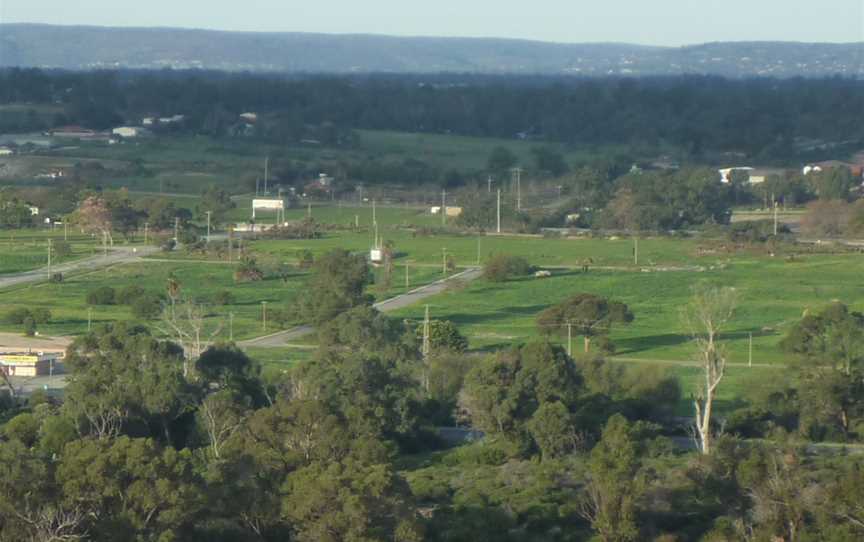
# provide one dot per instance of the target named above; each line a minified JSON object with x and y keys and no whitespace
{"x":119,"y":254}
{"x":284,"y":337}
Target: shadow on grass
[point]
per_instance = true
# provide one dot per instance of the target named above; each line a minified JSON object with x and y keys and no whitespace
{"x":649,"y":342}
{"x":503,"y":314}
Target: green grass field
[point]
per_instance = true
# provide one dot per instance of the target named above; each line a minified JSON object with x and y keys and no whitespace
{"x":539,"y":251}
{"x":24,"y":250}
{"x":773,"y":294}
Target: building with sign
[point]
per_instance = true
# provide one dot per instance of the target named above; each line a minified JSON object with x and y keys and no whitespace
{"x":28,"y":363}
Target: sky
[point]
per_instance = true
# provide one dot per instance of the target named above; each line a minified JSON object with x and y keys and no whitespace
{"x":649,"y":22}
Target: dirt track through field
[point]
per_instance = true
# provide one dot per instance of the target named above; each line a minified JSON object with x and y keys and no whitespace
{"x":115,"y":255}
{"x":284,"y":337}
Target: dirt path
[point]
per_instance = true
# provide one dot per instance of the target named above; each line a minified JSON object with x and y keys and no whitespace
{"x":16,"y":342}
{"x":114,"y":256}
{"x":282,"y":338}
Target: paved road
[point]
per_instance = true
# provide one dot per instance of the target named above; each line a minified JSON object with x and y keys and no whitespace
{"x":284,"y":337}
{"x":119,"y":254}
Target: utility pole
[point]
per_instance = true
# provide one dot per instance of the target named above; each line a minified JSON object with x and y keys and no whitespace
{"x":105,"y":244}
{"x":374,"y":219}
{"x":499,"y":211}
{"x":309,"y":210}
{"x":49,"y":259}
{"x":518,"y":173}
{"x":750,"y":351}
{"x":257,"y":183}
{"x":208,"y":226}
{"x":489,"y":184}
{"x":775,"y":217}
{"x":146,"y":231}
{"x":635,"y":251}
{"x":406,"y":276}
{"x":231,"y":327}
{"x":478,"y":251}
{"x":264,"y":315}
{"x":266,"y":172}
{"x":356,"y":222}
{"x":65,"y":230}
{"x":443,"y":208}
{"x":425,"y":348}
{"x":230,"y":241}
{"x":444,"y":261}
{"x":569,"y":339}
{"x":176,"y":227}
{"x":89,"y":318}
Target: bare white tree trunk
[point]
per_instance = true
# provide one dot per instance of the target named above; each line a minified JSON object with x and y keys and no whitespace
{"x":710,"y":309}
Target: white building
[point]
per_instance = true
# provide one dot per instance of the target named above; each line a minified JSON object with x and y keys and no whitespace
{"x":129,"y":131}
{"x":6,"y":151}
{"x":249,"y":117}
{"x":726,"y":173}
{"x":148,"y":121}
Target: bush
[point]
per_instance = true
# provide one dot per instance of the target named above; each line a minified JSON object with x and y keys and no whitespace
{"x":223,"y":298}
{"x":20,"y":315}
{"x":147,"y":306}
{"x":29,"y":326}
{"x":17,"y":316}
{"x":504,"y":267}
{"x":62,"y":249}
{"x":305,"y":259}
{"x":56,"y":278}
{"x":40,"y":315}
{"x":248,"y":271}
{"x":104,"y":295}
{"x":128,"y":294}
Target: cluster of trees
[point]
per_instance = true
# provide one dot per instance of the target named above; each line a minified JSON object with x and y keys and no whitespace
{"x":157,"y":440}
{"x":821,"y":398}
{"x":694,"y":113}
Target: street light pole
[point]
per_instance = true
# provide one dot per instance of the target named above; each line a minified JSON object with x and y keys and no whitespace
{"x":208,"y":226}
{"x":264,"y":314}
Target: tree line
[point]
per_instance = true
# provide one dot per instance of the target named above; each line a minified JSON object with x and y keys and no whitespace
{"x":764,"y":118}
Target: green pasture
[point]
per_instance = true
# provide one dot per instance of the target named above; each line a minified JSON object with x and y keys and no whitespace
{"x":24,"y":250}
{"x":200,"y":281}
{"x":66,"y":301}
{"x":539,"y":251}
{"x":773,"y":294}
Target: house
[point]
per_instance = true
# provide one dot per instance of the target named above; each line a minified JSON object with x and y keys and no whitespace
{"x":172,"y":119}
{"x":760,"y":175}
{"x":129,"y":131}
{"x":148,"y":121}
{"x":6,"y":151}
{"x":249,"y":117}
{"x":34,"y":211}
{"x":451,"y":211}
{"x":28,"y":363}
{"x":324,"y":180}
{"x":726,"y":173}
{"x":72,"y":132}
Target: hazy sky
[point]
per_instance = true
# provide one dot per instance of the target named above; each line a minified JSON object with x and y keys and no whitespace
{"x":660,"y":22}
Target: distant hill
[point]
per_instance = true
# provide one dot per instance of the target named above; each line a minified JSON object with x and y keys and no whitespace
{"x":86,"y":47}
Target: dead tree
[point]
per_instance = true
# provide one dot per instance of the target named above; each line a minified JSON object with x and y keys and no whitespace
{"x":706,"y":315}
{"x":187,"y":324}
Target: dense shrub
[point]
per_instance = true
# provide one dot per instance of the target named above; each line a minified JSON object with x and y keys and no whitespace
{"x":56,"y":278}
{"x":104,"y":295}
{"x":248,"y":271}
{"x":17,"y":316}
{"x":20,"y":315}
{"x":128,"y":294}
{"x":223,"y":297}
{"x":29,"y":326}
{"x":147,"y":305}
{"x":505,"y":267}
